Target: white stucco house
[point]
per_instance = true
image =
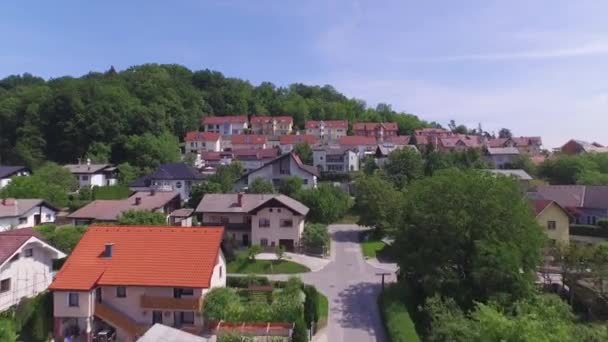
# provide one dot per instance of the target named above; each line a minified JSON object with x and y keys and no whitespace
{"x":288,"y":164}
{"x":226,"y":125}
{"x":26,"y":265}
{"x":90,"y":175}
{"x":335,"y":159}
{"x":25,"y":213}
{"x":7,"y":172}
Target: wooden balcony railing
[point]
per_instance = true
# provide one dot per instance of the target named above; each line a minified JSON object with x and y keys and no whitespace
{"x":170,"y":303}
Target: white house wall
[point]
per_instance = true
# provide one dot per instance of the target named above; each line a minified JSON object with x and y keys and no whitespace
{"x":47,"y":216}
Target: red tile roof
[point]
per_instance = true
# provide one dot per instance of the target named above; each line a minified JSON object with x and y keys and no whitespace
{"x":352,"y":140}
{"x":517,"y":141}
{"x":371,"y":126}
{"x":297,"y":139}
{"x":202,"y":136}
{"x":260,"y":153}
{"x":218,"y":120}
{"x":328,"y":124}
{"x":432,"y":131}
{"x":247,"y":139}
{"x":142,"y":256}
{"x":257,"y":120}
{"x":398,"y":139}
{"x":466,"y":140}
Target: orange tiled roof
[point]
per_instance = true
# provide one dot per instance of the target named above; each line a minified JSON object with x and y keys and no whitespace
{"x":202,"y":136}
{"x":328,"y":124}
{"x":142,"y":256}
{"x":229,"y":119}
{"x":247,"y":139}
{"x":257,"y":120}
{"x":355,"y":140}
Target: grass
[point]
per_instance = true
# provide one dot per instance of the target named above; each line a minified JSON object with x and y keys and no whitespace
{"x":322,"y":310}
{"x":371,"y":248}
{"x":246,"y":266}
{"x":397,"y":321}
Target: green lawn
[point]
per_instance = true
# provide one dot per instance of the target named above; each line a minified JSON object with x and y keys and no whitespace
{"x":322,"y":310}
{"x":396,"y":318}
{"x":371,"y":248}
{"x":246,"y":266}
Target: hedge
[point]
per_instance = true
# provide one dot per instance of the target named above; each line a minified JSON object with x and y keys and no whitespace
{"x":395,"y":317}
{"x":113,"y":192}
{"x":588,"y":230}
{"x":244,"y":282}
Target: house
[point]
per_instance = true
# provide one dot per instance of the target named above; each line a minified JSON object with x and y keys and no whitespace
{"x":90,"y":175}
{"x":574,"y":146}
{"x":164,"y":202}
{"x":288,"y":142}
{"x":383,"y":150}
{"x":378,"y":130}
{"x":250,"y":141}
{"x":7,"y":172}
{"x":25,"y":213}
{"x":178,"y":177}
{"x":554,"y":219}
{"x":459,"y":143}
{"x":398,"y":140}
{"x":363,"y":145}
{"x":26,"y":265}
{"x":181,"y":217}
{"x":526,"y":145}
{"x":215,"y":159}
{"x":586,"y":203}
{"x":326,"y":131}
{"x":225,"y":125}
{"x":252,"y":159}
{"x":128,"y":278}
{"x":283,"y":166}
{"x":196,"y":142}
{"x":521,"y":175}
{"x":261,"y":219}
{"x":335,"y":159}
{"x":502,"y":157}
{"x":429,"y":136}
{"x":271,"y":125}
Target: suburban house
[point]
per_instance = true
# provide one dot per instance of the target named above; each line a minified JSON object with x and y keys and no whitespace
{"x":25,"y":213}
{"x":26,"y":265}
{"x":181,"y":217}
{"x":288,"y":142}
{"x":252,"y":159}
{"x":423,"y":137}
{"x":525,"y":145}
{"x":398,"y":140}
{"x":128,"y":278}
{"x":161,"y":332}
{"x":178,"y":177}
{"x":363,"y":145}
{"x":215,"y":159}
{"x":554,"y":219}
{"x":7,"y":172}
{"x":459,"y":142}
{"x":378,"y":130}
{"x":283,"y":166}
{"x":90,"y":175}
{"x":196,"y":142}
{"x":574,"y":146}
{"x":383,"y":150}
{"x":586,"y":203}
{"x":261,"y":219}
{"x":271,"y":125}
{"x":110,"y":210}
{"x":502,"y":156}
{"x":521,"y":175}
{"x":225,"y":125}
{"x":325,"y":131}
{"x":249,"y":141}
{"x":335,"y":159}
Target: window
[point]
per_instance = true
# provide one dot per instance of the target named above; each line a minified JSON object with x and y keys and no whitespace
{"x":178,"y":185}
{"x":121,"y":292}
{"x":187,"y":317}
{"x":28,"y":253}
{"x":5,"y":285}
{"x":278,"y":210}
{"x":22,"y":220}
{"x":187,"y":291}
{"x":286,"y":223}
{"x":551,"y":225}
{"x":224,"y":220}
{"x":305,"y":181}
{"x":264,"y":242}
{"x":264,"y":223}
{"x":73,"y":299}
{"x":157,"y":317}
{"x":48,"y":217}
{"x":221,"y":271}
{"x":270,"y":209}
{"x":84,"y":178}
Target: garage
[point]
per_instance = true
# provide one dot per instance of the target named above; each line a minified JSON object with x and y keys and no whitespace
{"x":287,"y":243}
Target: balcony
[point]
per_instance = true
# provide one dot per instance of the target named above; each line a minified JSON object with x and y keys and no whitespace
{"x":119,"y":320}
{"x":170,"y":303}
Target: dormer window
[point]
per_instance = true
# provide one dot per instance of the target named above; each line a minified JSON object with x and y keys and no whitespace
{"x":108,"y":250}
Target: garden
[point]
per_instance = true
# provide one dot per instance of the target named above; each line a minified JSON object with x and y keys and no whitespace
{"x":245,"y":262}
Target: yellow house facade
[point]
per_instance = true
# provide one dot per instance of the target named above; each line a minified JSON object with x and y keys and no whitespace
{"x":554,"y":219}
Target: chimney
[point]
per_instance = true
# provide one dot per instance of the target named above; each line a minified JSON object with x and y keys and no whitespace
{"x":137,"y":200}
{"x":108,"y":250}
{"x":239,"y":199}
{"x":9,"y":202}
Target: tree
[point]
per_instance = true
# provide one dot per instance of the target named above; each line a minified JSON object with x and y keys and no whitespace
{"x":279,"y":251}
{"x":470,"y":236}
{"x":54,"y":174}
{"x":149,"y":151}
{"x":315,"y":236}
{"x":126,"y":173}
{"x":226,"y":175}
{"x":377,"y":203}
{"x":505,"y":133}
{"x":142,"y":217}
{"x":368,"y":165}
{"x":64,"y":238}
{"x":565,"y":170}
{"x":260,"y":186}
{"x":304,"y":151}
{"x":7,"y":330}
{"x":253,"y":250}
{"x":290,"y":185}
{"x":522,"y":162}
{"x":222,"y":303}
{"x":200,"y":190}
{"x":34,"y":187}
{"x":99,"y":152}
{"x":403,"y":166}
{"x":327,"y":203}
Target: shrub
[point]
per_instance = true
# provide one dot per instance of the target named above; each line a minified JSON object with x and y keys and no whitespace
{"x":244,"y":282}
{"x":327,"y":203}
{"x":64,"y":238}
{"x":142,"y":217}
{"x":603,"y":223}
{"x":311,"y":310}
{"x":316,"y":237}
{"x":399,"y":326}
{"x":111,"y":192}
{"x":254,"y":250}
{"x":7,"y":330}
{"x":222,"y":303}
{"x":300,"y":332}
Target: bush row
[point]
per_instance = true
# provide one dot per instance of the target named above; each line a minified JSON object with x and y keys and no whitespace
{"x":395,"y":317}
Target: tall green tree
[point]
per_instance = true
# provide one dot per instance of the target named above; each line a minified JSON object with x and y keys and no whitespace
{"x":142,"y":217}
{"x":291,"y":185}
{"x":260,"y":186}
{"x":403,"y":166}
{"x":304,"y":151}
{"x":377,"y":203}
{"x":149,"y":151}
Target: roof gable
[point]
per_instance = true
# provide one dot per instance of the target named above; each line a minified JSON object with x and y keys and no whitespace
{"x":7,"y":171}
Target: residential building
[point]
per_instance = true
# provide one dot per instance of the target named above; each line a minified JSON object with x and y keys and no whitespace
{"x":586,"y":203}
{"x":398,"y":140}
{"x":423,"y":137}
{"x":90,"y":175}
{"x":459,"y":143}
{"x":383,"y":150}
{"x":128,"y":278}
{"x":250,"y":141}
{"x":268,"y":220}
{"x":164,"y":202}
{"x":288,"y":142}
{"x":178,"y":177}
{"x":252,"y":159}
{"x":554,"y":219}
{"x":327,"y":131}
{"x":25,"y":213}
{"x":363,"y":145}
{"x":502,"y":157}
{"x":378,"y":130}
{"x":271,"y":125}
{"x":335,"y":159}
{"x":197,"y":142}
{"x":283,"y":166}
{"x":521,"y":175}
{"x":215,"y":159}
{"x":181,"y":217}
{"x":574,"y":146}
{"x":225,"y":125}
{"x":26,"y":265}
{"x":526,"y":145}
{"x":7,"y":172}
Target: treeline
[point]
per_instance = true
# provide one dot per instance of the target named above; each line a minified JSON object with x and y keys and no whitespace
{"x":109,"y":115}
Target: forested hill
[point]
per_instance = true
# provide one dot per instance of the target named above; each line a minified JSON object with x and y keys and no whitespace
{"x":111,"y":115}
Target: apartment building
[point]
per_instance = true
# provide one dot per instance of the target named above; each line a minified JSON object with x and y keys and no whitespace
{"x":326,"y":131}
{"x":196,"y":142}
{"x":335,"y":159}
{"x":271,"y":125}
{"x":378,"y":130}
{"x":226,"y":125}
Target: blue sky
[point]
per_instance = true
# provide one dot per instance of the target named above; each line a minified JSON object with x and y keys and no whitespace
{"x":538,"y":67}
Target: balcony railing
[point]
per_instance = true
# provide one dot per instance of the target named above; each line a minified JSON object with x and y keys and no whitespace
{"x":154,"y":302}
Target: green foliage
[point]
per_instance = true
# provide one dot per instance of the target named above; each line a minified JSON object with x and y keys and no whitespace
{"x":64,"y":238}
{"x":200,"y":190}
{"x":111,"y":192}
{"x":300,"y":332}
{"x":7,"y":330}
{"x":470,"y":236}
{"x":226,"y":175}
{"x":148,"y":151}
{"x":368,"y":165}
{"x":142,"y":217}
{"x":244,"y":282}
{"x":377,"y":203}
{"x":248,"y":266}
{"x":603,"y":223}
{"x":99,"y":152}
{"x":232,"y":337}
{"x":522,"y":162}
{"x":52,"y":173}
{"x":304,"y":151}
{"x":126,"y":174}
{"x":260,"y":186}
{"x":327,"y":203}
{"x":279,"y":251}
{"x":34,"y":318}
{"x":315,"y":236}
{"x":399,"y":326}
{"x":290,"y":186}
{"x":222,"y":304}
{"x":564,"y":169}
{"x":253,"y":250}
{"x":403,"y":166}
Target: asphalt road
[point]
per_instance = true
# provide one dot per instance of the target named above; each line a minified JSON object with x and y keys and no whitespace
{"x":352,"y":288}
